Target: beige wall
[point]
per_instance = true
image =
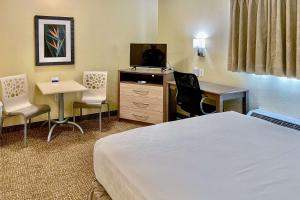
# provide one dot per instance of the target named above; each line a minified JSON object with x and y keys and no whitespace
{"x":180,"y":21}
{"x":103,"y":31}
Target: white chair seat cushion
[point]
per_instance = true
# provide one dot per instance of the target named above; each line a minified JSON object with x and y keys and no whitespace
{"x":31,"y":110}
{"x":93,"y":99}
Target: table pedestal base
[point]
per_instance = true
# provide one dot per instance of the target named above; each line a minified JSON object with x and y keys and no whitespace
{"x":66,"y":121}
{"x":61,"y":118}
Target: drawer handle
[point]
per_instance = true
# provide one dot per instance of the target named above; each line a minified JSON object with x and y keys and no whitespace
{"x":141,"y":92}
{"x":141,"y":105}
{"x":140,"y":117}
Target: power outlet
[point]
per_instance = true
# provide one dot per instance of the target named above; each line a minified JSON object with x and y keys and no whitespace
{"x":201,"y":72}
{"x":198,"y":71}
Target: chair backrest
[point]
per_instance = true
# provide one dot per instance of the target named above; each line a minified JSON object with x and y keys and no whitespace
{"x":189,"y":94}
{"x":96,"y":83}
{"x":14,"y":92}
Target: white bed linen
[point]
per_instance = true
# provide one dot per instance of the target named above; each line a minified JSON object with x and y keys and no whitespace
{"x":224,"y":156}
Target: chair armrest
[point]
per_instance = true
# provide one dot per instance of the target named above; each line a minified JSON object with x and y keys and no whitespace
{"x":201,"y":105}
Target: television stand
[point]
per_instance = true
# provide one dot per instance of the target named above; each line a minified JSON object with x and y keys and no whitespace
{"x":143,"y":102}
{"x":133,"y":67}
{"x":164,"y":69}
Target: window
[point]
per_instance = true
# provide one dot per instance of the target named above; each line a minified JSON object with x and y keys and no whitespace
{"x":265,"y":37}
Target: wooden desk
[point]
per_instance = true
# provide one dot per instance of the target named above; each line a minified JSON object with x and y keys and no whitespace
{"x":218,"y":93}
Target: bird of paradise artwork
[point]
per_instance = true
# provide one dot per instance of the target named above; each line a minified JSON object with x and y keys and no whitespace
{"x":55,"y":40}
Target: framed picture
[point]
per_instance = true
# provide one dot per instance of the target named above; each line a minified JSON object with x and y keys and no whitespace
{"x":54,"y":40}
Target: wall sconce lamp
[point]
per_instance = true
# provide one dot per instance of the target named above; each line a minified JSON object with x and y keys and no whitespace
{"x":199,"y":43}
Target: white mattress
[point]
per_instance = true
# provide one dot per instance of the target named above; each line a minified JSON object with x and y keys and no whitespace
{"x":226,"y":156}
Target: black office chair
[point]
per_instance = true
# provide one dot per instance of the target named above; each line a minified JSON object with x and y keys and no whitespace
{"x":189,"y":96}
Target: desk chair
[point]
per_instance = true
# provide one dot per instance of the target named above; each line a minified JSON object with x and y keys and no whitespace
{"x":95,"y":96}
{"x":16,"y":101}
{"x":189,"y":96}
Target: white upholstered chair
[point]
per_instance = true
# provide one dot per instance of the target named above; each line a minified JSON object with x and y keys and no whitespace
{"x":95,"y":96}
{"x":15,"y":100}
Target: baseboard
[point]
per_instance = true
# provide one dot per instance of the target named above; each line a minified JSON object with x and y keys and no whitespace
{"x":78,"y":119}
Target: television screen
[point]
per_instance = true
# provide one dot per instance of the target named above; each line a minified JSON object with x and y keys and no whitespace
{"x":148,"y":55}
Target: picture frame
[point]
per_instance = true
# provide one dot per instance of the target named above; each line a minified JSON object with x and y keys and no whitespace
{"x":54,"y":40}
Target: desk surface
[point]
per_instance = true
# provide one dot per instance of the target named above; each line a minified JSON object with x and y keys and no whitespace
{"x":48,"y":88}
{"x":215,"y":88}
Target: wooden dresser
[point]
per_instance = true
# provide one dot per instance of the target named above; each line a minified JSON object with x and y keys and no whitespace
{"x":143,"y":102}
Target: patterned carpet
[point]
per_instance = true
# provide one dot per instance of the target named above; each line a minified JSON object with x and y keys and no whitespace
{"x":62,"y":169}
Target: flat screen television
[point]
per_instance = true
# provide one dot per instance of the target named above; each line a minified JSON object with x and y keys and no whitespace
{"x":148,"y":55}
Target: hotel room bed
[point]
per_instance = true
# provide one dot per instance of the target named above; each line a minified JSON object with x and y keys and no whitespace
{"x":225,"y":156}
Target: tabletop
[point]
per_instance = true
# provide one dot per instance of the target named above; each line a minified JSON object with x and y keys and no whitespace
{"x":48,"y":88}
{"x":215,"y":88}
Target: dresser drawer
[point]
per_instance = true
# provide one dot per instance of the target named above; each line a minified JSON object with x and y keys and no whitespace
{"x":139,"y":90}
{"x":152,"y":104}
{"x":147,"y":116}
